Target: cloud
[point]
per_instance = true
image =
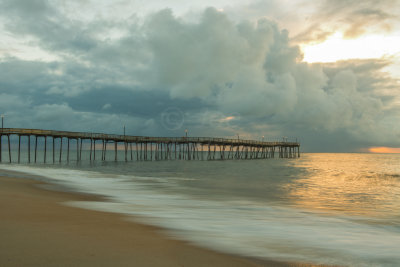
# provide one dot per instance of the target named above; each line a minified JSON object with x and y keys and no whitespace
{"x":191,"y":60}
{"x":11,"y":102}
{"x":353,"y":18}
{"x":106,"y":106}
{"x":272,"y":84}
{"x":38,"y":18}
{"x":205,"y":70}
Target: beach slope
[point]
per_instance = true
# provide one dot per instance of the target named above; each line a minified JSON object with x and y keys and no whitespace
{"x":36,"y":229}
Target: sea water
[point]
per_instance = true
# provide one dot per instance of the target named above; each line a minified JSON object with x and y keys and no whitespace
{"x":339,"y":209}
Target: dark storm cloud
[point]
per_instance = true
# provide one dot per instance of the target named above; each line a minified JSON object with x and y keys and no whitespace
{"x":213,"y":76}
{"x":40,"y":19}
{"x":134,"y":103}
{"x":21,"y":76}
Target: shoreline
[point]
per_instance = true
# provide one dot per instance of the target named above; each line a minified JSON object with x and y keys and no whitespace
{"x":38,"y":229}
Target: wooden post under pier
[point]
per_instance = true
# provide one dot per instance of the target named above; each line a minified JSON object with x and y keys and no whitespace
{"x":9,"y":148}
{"x":77,"y":149}
{"x":80,"y":151}
{"x":68,"y":150}
{"x":54,"y":156}
{"x":19,"y":148}
{"x":35,"y":147}
{"x":61,"y":144}
{"x":115,"y":147}
{"x":29,"y":149}
{"x":91,"y":141}
{"x":45,"y":149}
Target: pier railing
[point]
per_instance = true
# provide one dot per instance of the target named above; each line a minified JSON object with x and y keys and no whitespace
{"x":130,"y":138}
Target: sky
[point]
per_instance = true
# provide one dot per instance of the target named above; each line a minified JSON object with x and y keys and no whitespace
{"x":325,"y":73}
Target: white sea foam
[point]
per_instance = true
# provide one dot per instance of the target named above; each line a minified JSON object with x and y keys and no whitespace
{"x":245,"y":227}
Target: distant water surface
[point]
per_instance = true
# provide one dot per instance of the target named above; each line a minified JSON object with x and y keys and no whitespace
{"x":339,"y":209}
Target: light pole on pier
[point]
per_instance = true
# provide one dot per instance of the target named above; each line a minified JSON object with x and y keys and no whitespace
{"x":2,"y":121}
{"x":124,"y":130}
{"x":263,"y":138}
{"x":186,"y":132}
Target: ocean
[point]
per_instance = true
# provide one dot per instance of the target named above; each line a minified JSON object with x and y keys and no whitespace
{"x":338,"y":209}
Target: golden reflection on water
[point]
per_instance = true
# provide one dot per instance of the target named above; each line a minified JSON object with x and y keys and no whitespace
{"x":362,"y":184}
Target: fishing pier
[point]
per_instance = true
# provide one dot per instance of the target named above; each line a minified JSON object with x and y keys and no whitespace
{"x":139,"y":148}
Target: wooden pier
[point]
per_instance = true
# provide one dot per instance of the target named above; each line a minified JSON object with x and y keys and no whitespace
{"x":142,"y":147}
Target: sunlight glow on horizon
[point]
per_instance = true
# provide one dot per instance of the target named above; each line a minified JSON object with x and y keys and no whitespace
{"x":391,"y":150}
{"x":337,"y":48}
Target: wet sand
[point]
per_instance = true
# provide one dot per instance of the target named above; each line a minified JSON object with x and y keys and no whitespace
{"x":36,"y":229}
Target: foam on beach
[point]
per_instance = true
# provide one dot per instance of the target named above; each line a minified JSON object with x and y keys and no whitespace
{"x":244,"y":227}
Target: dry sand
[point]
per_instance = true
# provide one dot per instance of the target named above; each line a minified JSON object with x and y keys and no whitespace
{"x":36,"y":229}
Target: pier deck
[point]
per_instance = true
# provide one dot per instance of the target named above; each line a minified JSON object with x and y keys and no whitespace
{"x":148,"y":148}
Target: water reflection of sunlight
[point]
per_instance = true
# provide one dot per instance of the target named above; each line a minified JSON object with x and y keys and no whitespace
{"x":361,"y":184}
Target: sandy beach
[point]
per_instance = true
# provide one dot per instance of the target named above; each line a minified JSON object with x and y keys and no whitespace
{"x":36,"y":229}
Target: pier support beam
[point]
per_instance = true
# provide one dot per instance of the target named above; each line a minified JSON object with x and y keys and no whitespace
{"x":115,"y":148}
{"x":77,"y":149}
{"x":9,"y":148}
{"x":35,"y":147}
{"x":19,"y":148}
{"x":54,"y":154}
{"x":61,"y":143}
{"x":94,"y":149}
{"x":29,"y":149}
{"x":105,"y":149}
{"x":130,"y":144}
{"x":45,"y":149}
{"x":91,"y":145}
{"x":68,"y":149}
{"x":80,"y":151}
